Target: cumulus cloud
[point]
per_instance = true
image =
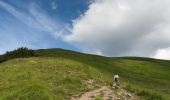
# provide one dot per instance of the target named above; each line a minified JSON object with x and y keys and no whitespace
{"x":123,"y":27}
{"x":162,"y":54}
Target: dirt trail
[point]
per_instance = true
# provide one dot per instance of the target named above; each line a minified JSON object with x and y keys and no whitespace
{"x":105,"y":93}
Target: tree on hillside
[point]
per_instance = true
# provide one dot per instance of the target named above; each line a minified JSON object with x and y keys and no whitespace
{"x":1,"y":59}
{"x":22,"y":52}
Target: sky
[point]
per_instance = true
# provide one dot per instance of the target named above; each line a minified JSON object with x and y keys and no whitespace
{"x":102,"y":27}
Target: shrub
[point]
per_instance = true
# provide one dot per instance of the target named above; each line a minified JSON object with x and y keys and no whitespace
{"x":1,"y":59}
{"x":22,"y":52}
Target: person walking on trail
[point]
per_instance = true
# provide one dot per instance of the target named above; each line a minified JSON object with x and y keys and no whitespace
{"x":116,"y":81}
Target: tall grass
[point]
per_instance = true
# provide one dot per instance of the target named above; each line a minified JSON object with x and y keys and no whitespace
{"x":57,"y":74}
{"x":147,"y":94}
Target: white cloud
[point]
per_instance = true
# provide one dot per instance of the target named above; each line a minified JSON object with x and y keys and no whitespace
{"x":54,"y":5}
{"x":45,"y":22}
{"x":37,"y":25}
{"x":123,"y":27}
{"x":163,"y":54}
{"x":35,"y":18}
{"x":89,"y":51}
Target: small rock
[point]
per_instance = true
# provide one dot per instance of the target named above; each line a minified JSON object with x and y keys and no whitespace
{"x":110,"y":97}
{"x":92,"y":96}
{"x":118,"y":99}
{"x":90,"y":82}
{"x":129,"y":95}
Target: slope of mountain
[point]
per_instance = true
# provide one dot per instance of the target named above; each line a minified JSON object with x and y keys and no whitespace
{"x":57,"y":74}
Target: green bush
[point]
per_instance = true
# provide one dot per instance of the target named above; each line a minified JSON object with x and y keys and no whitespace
{"x":22,"y":52}
{"x":1,"y":58}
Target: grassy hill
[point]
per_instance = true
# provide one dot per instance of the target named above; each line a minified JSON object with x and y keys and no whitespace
{"x":57,"y":74}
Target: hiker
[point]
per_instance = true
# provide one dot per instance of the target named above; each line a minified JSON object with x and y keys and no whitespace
{"x":116,"y":81}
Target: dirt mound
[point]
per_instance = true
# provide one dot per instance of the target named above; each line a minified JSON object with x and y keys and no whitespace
{"x":106,"y":93}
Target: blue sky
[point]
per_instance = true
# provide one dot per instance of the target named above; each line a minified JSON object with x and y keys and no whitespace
{"x":103,"y":27}
{"x":37,"y":23}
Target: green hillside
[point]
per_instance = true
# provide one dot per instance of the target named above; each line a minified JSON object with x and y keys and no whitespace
{"x":56,"y":74}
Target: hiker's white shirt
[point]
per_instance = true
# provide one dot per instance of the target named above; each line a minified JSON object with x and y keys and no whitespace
{"x":116,"y":81}
{"x":116,"y":76}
